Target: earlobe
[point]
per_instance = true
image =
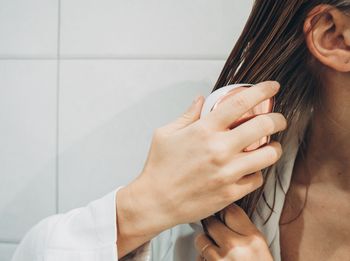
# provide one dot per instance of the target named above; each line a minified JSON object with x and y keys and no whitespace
{"x":327,"y":35}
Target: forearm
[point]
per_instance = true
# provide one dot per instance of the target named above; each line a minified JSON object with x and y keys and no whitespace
{"x":139,"y":218}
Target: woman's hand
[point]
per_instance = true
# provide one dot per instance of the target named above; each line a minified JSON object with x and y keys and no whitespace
{"x":195,"y":167}
{"x":235,"y":238}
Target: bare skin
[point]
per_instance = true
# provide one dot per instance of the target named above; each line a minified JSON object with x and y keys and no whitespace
{"x":321,"y":231}
{"x":236,"y":238}
{"x":196,"y":167}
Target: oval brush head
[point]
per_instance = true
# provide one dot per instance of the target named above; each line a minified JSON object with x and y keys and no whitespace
{"x":221,"y":95}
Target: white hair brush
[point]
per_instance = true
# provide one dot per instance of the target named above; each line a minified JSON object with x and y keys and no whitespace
{"x":222,"y":94}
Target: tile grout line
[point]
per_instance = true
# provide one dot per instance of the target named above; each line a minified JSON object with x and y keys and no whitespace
{"x":9,"y":242}
{"x":58,"y":104}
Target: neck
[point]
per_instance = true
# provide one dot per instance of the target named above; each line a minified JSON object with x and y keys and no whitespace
{"x":328,"y":139}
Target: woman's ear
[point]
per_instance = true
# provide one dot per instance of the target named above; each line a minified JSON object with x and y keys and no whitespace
{"x":327,"y":32}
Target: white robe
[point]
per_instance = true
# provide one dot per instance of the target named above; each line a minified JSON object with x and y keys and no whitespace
{"x":89,"y":233}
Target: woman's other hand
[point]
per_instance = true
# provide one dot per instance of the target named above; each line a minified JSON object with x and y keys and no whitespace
{"x":235,"y":238}
{"x":196,"y":166}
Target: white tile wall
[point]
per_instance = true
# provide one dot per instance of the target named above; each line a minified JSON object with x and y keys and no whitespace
{"x":108,"y":111}
{"x":162,"y":28}
{"x":28,"y":28}
{"x":6,"y":251}
{"x":27,"y":144}
{"x":126,"y":68}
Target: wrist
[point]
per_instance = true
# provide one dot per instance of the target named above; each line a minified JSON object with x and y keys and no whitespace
{"x":139,"y":215}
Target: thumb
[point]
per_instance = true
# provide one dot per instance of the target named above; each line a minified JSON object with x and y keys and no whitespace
{"x":191,"y":115}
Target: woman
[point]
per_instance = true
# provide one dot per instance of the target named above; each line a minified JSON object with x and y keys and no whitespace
{"x":305,"y":46}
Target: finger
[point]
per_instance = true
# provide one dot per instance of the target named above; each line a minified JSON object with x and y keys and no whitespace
{"x":243,"y":187}
{"x":191,"y":115}
{"x":236,"y":219}
{"x":249,"y":183}
{"x":252,"y":161}
{"x":237,"y":105}
{"x":206,"y":248}
{"x":253,"y":130}
{"x":219,"y":232}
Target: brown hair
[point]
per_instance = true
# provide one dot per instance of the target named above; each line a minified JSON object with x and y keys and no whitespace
{"x":272,"y":47}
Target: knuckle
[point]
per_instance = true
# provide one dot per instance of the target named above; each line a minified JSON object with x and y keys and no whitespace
{"x":265,"y":123}
{"x":228,"y":195}
{"x":253,"y":186}
{"x":253,"y":238}
{"x":232,"y":173}
{"x":225,"y":172}
{"x":217,"y":151}
{"x":221,"y":180}
{"x":256,"y":240}
{"x":241,"y":101}
{"x":229,"y":244}
{"x":282,"y":121}
{"x":274,"y":152}
{"x":279,"y":149}
{"x":187,"y":115}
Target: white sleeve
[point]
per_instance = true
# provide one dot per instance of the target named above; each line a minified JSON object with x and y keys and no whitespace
{"x":82,"y":234}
